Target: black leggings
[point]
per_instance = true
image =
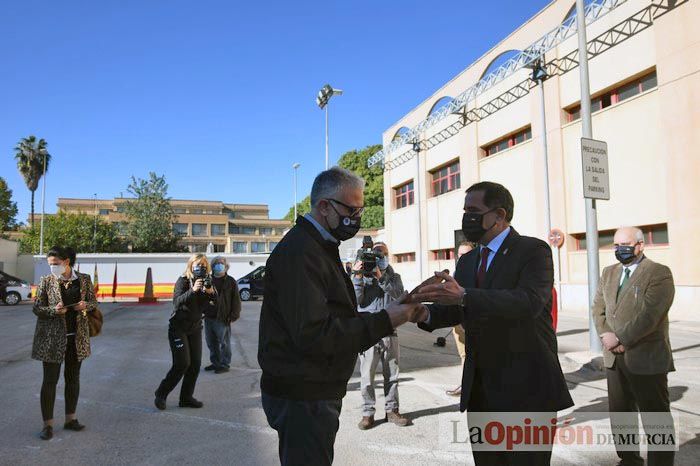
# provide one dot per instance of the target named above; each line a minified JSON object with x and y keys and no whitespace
{"x":186,"y":348}
{"x":71,"y":374}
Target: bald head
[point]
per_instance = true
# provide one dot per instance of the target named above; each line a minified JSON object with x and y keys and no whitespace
{"x":628,"y":236}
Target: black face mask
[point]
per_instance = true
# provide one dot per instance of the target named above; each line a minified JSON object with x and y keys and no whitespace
{"x":347,"y":226}
{"x":472,"y":225}
{"x":625,"y":254}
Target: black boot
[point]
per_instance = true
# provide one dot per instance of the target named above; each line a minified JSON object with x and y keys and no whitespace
{"x":46,"y":433}
{"x":159,"y":401}
{"x":73,"y":425}
{"x":191,"y":403}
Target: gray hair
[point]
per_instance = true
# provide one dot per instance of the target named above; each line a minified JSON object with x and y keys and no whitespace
{"x":220,"y":259}
{"x":328,"y":183}
{"x":638,"y":234}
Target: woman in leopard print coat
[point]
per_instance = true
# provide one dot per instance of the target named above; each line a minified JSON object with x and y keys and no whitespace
{"x":62,"y":333}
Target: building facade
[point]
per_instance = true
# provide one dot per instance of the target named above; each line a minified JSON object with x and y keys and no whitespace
{"x":645,"y":91}
{"x":230,"y":228}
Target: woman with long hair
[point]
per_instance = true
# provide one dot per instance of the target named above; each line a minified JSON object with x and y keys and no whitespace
{"x":193,"y":294}
{"x":62,"y":335}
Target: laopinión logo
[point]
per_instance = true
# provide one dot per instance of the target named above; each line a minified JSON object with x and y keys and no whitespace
{"x":533,"y":431}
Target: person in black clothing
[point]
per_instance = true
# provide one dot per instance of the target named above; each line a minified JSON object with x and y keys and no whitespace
{"x":3,"y":289}
{"x":218,"y":317}
{"x":190,"y":298}
{"x":310,"y":330}
{"x":501,"y":293}
{"x":62,"y":334}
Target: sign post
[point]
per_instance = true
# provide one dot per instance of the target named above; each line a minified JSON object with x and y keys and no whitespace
{"x":596,"y":179}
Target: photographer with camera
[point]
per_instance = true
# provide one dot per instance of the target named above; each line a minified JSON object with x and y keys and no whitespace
{"x":376,"y":286}
{"x":193,"y":294}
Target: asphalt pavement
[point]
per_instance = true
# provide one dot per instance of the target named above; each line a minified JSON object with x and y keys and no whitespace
{"x":131,"y":356}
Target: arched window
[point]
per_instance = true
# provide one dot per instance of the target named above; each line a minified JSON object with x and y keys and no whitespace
{"x":498,"y":61}
{"x":441,"y":102}
{"x":401,"y":131}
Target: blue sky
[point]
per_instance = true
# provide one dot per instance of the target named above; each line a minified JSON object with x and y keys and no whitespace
{"x":219,"y":95}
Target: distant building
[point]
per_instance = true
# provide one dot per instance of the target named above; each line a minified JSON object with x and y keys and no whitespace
{"x":230,"y":228}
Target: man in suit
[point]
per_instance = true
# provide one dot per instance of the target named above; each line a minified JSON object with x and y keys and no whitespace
{"x":631,"y":316}
{"x":501,"y":293}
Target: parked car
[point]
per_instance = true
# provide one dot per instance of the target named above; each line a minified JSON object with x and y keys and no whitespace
{"x":252,"y":285}
{"x":17,"y":289}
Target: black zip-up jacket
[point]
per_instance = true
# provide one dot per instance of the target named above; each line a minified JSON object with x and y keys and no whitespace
{"x":310,"y":330}
{"x":227,"y":308}
{"x":189,"y":306}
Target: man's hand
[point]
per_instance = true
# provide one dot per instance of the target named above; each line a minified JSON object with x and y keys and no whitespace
{"x":447,"y":293}
{"x":377,"y":273}
{"x":357,"y":267}
{"x":420,"y":315}
{"x":609,"y":340}
{"x":619,"y":349}
{"x":61,"y":309}
{"x":400,"y":312}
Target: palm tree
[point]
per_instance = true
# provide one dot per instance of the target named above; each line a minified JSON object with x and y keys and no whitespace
{"x":31,"y":155}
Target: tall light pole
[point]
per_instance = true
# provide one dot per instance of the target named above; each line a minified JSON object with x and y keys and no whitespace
{"x":539,"y":75}
{"x":322,"y":100}
{"x":43,"y":209}
{"x":417,"y":188}
{"x":591,"y":216}
{"x":94,"y":233}
{"x":295,"y":167}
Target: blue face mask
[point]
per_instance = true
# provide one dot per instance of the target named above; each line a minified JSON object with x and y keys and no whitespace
{"x":382,"y":263}
{"x":219,"y":269}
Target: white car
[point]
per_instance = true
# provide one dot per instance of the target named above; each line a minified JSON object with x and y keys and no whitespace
{"x":17,"y":289}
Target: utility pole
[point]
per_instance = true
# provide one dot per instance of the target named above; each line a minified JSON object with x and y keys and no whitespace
{"x":591,"y":215}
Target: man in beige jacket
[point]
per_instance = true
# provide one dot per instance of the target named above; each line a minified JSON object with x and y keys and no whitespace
{"x":631,"y":315}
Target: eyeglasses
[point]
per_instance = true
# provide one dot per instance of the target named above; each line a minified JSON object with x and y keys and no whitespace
{"x":354,"y":211}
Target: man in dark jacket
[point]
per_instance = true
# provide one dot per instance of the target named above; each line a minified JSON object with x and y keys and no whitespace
{"x":219,"y":316}
{"x":501,"y":293}
{"x":310,"y":330}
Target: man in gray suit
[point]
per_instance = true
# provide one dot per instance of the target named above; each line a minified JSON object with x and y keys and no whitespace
{"x":631,"y":315}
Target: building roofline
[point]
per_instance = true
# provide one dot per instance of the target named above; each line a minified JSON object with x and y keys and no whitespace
{"x":396,"y":125}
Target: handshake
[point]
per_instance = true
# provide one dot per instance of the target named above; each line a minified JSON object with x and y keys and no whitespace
{"x":403,"y":310}
{"x":440,"y":288}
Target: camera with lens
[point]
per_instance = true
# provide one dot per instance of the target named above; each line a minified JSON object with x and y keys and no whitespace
{"x":206,"y":279}
{"x":369,"y":261}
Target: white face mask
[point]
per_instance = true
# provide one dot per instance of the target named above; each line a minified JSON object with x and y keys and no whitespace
{"x":57,"y":270}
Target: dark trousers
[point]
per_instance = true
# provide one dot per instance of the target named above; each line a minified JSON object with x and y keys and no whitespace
{"x":186,"y":348}
{"x":218,"y":337}
{"x":481,"y":401}
{"x":628,"y":392}
{"x":306,"y":429}
{"x":71,"y":374}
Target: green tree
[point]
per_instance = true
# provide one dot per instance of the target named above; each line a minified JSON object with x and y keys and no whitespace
{"x":150,"y":216}
{"x":31,"y":155}
{"x":73,"y":230}
{"x":356,"y":161}
{"x":8,"y":209}
{"x":303,"y":207}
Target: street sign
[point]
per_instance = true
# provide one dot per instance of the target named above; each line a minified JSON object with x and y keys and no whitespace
{"x":596,"y":180}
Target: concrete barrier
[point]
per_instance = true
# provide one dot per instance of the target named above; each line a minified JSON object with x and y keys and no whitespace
{"x":132,"y":268}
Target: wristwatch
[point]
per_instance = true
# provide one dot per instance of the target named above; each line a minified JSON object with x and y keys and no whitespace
{"x":464,"y":299}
